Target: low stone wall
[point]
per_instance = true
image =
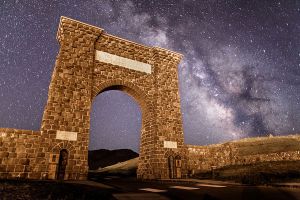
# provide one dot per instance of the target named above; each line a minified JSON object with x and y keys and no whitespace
{"x":20,"y":153}
{"x":28,"y":154}
{"x":203,"y":158}
{"x":242,"y":152}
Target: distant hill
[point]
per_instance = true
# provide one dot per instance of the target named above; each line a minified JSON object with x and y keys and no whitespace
{"x":103,"y":157}
{"x":128,"y":167}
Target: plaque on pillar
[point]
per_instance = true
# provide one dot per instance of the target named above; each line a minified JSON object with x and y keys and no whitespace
{"x":170,"y":144}
{"x":66,"y":135}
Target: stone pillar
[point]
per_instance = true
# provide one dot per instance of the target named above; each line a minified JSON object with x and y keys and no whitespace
{"x":66,"y":116}
{"x":168,"y":122}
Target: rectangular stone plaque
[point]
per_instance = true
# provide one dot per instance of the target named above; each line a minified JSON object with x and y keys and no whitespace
{"x":170,"y":144}
{"x":123,"y":62}
{"x":66,"y":135}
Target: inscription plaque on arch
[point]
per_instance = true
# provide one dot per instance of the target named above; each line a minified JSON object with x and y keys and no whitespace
{"x":122,"y":62}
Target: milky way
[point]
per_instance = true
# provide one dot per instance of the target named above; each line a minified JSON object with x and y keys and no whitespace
{"x":240,"y":76}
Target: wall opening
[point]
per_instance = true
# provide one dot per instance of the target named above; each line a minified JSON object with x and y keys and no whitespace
{"x":62,"y":164}
{"x":116,"y":121}
{"x":174,"y":164}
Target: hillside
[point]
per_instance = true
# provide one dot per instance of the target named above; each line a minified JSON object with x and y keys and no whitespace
{"x":103,"y":157}
{"x":128,"y":167}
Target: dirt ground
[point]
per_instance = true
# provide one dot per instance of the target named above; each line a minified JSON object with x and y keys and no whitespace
{"x":40,"y":190}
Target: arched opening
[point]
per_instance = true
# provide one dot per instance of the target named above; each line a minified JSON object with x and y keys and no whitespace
{"x":115,"y":123}
{"x":174,"y":164}
{"x":62,"y":164}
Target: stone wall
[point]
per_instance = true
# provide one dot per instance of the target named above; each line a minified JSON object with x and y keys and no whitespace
{"x":203,"y":158}
{"x":21,"y":154}
{"x":242,"y":152}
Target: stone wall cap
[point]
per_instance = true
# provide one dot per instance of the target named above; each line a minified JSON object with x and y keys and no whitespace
{"x":145,"y":46}
{"x":168,"y":51}
{"x":64,"y":18}
{"x":19,"y":131}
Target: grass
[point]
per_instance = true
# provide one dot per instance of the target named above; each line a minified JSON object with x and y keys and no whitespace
{"x":126,"y":168}
{"x":260,"y":173}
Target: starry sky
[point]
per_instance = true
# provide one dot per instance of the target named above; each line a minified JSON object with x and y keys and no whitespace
{"x":240,"y":76}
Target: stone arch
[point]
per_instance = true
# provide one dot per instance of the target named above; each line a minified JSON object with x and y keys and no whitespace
{"x":129,"y":88}
{"x":140,"y":97}
{"x":91,"y":61}
{"x":174,"y":156}
{"x":173,"y":153}
{"x":56,"y":148}
{"x":55,"y":151}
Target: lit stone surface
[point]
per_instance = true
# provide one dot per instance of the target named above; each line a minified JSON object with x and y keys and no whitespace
{"x":66,"y":135}
{"x":122,"y":62}
{"x":3,"y":134}
{"x":170,"y":144}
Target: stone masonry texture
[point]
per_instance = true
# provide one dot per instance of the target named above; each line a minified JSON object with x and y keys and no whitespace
{"x":78,"y":77}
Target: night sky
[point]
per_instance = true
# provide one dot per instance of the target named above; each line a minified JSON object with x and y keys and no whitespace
{"x":240,"y":76}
